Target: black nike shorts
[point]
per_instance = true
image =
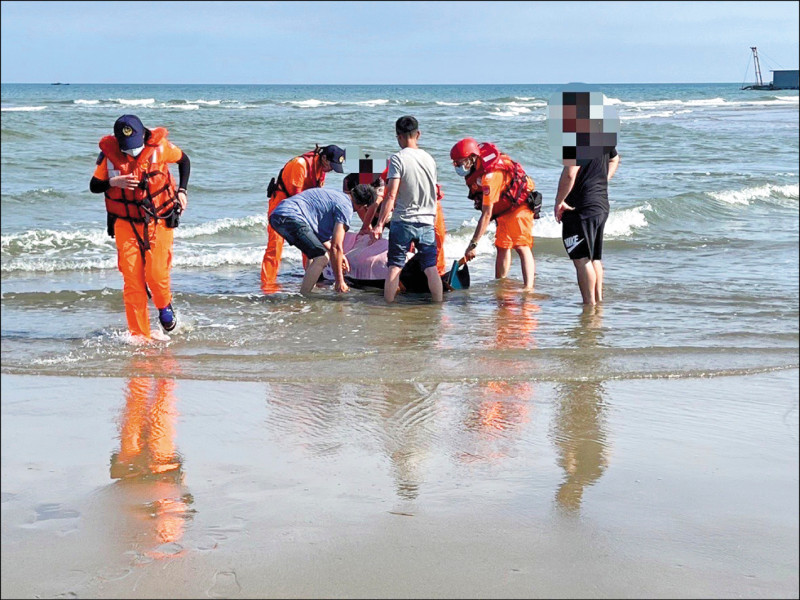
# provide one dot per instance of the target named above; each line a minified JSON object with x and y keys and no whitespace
{"x":583,"y":237}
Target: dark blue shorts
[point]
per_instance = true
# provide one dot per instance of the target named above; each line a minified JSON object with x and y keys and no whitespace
{"x":298,"y":234}
{"x":402,"y":234}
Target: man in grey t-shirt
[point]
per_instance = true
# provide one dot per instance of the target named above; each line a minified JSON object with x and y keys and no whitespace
{"x":411,"y":200}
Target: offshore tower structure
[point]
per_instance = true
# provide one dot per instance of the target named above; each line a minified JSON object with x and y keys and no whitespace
{"x":783,"y":79}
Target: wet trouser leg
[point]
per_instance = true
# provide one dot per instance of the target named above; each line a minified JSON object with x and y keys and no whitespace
{"x":131,"y":265}
{"x":441,"y":231}
{"x":272,"y":255}
{"x":158,"y":263}
{"x":138,"y":272}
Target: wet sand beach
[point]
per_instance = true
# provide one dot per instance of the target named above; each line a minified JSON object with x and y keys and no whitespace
{"x":151,"y":486}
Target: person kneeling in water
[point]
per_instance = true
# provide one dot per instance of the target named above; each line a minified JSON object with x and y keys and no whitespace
{"x":315,"y":221}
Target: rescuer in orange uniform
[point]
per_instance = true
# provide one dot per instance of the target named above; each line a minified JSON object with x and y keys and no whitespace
{"x":501,"y":190}
{"x":143,"y":209}
{"x":299,"y":174}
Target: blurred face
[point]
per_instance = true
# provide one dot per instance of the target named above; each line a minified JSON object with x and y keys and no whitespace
{"x":325,"y":164}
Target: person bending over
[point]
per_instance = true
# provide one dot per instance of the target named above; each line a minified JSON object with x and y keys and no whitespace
{"x":300,"y":173}
{"x":315,"y":221}
{"x":500,"y":189}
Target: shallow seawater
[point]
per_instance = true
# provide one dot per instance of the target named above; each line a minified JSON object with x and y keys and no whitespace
{"x":701,"y":250}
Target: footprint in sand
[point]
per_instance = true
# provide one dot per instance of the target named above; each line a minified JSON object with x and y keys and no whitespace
{"x":54,"y":517}
{"x":225,"y":585}
{"x":113,"y":574}
{"x":46,"y":512}
{"x":168,"y":550}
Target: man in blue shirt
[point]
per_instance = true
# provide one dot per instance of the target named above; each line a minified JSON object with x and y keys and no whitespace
{"x":315,"y":221}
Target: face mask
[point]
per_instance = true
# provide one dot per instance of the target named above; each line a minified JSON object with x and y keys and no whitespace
{"x":461,"y":171}
{"x":134,"y":151}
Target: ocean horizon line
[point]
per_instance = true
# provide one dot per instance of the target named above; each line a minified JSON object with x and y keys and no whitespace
{"x":693,"y":83}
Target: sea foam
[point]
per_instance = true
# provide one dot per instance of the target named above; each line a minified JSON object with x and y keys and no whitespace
{"x":311,"y":103}
{"x":22,"y":108}
{"x":43,"y":240}
{"x":378,"y":102}
{"x":663,"y":114}
{"x":222,"y":225}
{"x":135,"y":102}
{"x":762,"y":192}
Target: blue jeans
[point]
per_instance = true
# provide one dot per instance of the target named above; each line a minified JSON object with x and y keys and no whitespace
{"x":402,"y":234}
{"x":298,"y":234}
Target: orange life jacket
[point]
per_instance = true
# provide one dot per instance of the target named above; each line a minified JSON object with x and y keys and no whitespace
{"x":517,"y":191}
{"x":155,"y":197}
{"x":311,"y":180}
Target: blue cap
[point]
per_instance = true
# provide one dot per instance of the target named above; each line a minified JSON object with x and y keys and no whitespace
{"x":129,"y":132}
{"x":336,"y":157}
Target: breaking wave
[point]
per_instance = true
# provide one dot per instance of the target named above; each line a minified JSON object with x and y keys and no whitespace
{"x":761,"y":192}
{"x":22,"y":108}
{"x":135,"y":102}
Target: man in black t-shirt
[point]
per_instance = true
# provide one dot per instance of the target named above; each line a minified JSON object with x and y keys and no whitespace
{"x":582,"y":208}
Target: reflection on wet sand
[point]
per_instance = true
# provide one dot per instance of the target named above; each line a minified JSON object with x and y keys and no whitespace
{"x":578,"y":429}
{"x":408,"y":433}
{"x":516,"y":319}
{"x":495,"y":416}
{"x":148,"y":465}
{"x":407,"y":421}
{"x":499,"y":408}
{"x":323,"y":420}
{"x":404,"y":419}
{"x":398,"y":417}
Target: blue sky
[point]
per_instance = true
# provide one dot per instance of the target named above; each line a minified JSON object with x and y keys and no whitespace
{"x":393,"y":42}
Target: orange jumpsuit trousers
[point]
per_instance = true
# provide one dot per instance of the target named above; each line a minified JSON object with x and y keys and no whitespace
{"x":138,"y":274}
{"x":274,"y":251}
{"x":441,"y":231}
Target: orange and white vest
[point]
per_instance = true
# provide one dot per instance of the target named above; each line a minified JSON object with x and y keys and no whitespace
{"x":155,"y":197}
{"x":312,"y":180}
{"x":518,"y":188}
